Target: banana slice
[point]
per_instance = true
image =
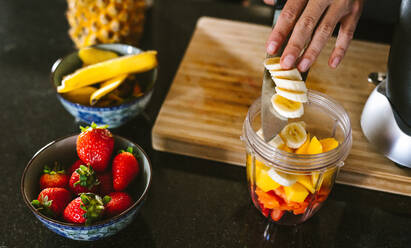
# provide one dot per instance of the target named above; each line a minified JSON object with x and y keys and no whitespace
{"x":282,"y":178}
{"x":297,"y":96}
{"x":294,"y":85}
{"x":106,"y":88}
{"x":272,"y":64}
{"x":292,"y":74}
{"x":294,"y":135}
{"x":287,"y":108}
{"x":277,"y":141}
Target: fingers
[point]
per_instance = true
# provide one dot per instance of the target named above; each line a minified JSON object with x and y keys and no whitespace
{"x":269,"y":2}
{"x":302,"y":32}
{"x":323,"y":32}
{"x":285,"y":24}
{"x":345,"y":34}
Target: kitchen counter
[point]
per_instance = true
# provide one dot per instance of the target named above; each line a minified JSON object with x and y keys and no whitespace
{"x":192,"y":202}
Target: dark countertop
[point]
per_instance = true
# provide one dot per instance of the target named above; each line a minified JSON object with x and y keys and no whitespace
{"x":192,"y":202}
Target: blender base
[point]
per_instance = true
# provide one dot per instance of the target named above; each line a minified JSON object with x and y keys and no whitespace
{"x":384,"y":128}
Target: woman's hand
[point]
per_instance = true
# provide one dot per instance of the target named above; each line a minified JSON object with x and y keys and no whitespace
{"x":301,"y":17}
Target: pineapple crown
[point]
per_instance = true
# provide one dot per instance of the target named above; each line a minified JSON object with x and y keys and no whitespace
{"x":57,"y":169}
{"x":87,"y":177}
{"x":93,"y":205}
{"x":92,"y":126}
{"x":43,"y":206}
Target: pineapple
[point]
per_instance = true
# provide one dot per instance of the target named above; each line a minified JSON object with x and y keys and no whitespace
{"x":105,"y":21}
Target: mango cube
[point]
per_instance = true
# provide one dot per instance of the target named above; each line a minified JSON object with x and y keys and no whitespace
{"x":315,"y":146}
{"x":303,"y":148}
{"x":263,"y":180}
{"x":328,"y":144}
{"x":305,"y":180}
{"x":295,"y":193}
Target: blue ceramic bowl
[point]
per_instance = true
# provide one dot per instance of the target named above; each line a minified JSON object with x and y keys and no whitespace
{"x":64,"y":151}
{"x":113,"y":116}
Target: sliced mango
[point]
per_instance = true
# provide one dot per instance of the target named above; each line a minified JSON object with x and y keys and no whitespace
{"x":90,"y":55}
{"x":328,"y":144}
{"x":81,"y":95}
{"x":315,"y":146}
{"x":263,"y":180}
{"x":108,"y":69}
{"x":106,"y":88}
{"x":305,"y":180}
{"x":303,"y":148}
{"x":295,"y":193}
{"x":327,"y":177}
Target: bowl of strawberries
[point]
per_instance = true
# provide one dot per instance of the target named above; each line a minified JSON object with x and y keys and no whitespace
{"x":87,"y":186}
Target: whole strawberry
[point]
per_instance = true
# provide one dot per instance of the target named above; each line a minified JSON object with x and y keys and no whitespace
{"x":55,"y":177}
{"x":52,"y":201}
{"x":84,"y":180}
{"x":87,"y":208}
{"x":94,"y":146}
{"x":119,"y":202}
{"x":125,"y":169}
{"x":106,"y":183}
{"x":75,"y":166}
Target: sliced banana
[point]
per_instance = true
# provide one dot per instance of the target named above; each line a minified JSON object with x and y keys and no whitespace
{"x":287,"y":108}
{"x":297,"y":96}
{"x":277,"y":141}
{"x":294,"y":135}
{"x":294,"y":85}
{"x":292,"y":74}
{"x":282,"y":178}
{"x":272,"y":64}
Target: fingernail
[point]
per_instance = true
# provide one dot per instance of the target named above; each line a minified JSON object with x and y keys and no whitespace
{"x":288,"y":61}
{"x":272,"y":47}
{"x":304,"y":64}
{"x":335,"y":62}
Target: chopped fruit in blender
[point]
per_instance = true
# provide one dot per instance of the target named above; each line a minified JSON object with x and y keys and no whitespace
{"x":295,"y":193}
{"x":263,"y":180}
{"x":329,"y":144}
{"x":91,"y":55}
{"x":303,"y":148}
{"x":269,"y":201}
{"x":285,"y":148}
{"x":305,"y":180}
{"x":314,"y":147}
{"x":282,"y":178}
{"x":276,"y":214}
{"x":294,"y":135}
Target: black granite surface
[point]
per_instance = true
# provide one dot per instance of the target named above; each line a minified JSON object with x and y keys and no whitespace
{"x":192,"y":202}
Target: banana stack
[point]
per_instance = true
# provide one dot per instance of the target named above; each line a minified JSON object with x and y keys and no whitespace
{"x":290,"y":88}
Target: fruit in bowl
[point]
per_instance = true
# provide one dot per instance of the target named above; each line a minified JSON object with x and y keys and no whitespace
{"x":88,"y":206}
{"x":107,"y":83}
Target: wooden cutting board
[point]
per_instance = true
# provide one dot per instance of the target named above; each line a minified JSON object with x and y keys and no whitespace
{"x":221,"y":75}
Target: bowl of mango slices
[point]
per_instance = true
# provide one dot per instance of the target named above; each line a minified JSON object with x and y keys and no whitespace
{"x":107,"y":84}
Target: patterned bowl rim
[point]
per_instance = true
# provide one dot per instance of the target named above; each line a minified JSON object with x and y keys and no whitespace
{"x":80,"y":106}
{"x":96,"y":224}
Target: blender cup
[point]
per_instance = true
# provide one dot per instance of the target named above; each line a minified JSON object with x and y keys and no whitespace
{"x":289,"y":188}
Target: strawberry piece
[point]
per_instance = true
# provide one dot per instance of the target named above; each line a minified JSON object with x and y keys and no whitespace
{"x":264,"y":211}
{"x":75,"y":166}
{"x":52,"y":201}
{"x":125,"y":169}
{"x":94,"y":146}
{"x":87,"y":208}
{"x":276,"y":214}
{"x":119,"y":202}
{"x":84,"y":180}
{"x":106,"y":183}
{"x":55,"y":177}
